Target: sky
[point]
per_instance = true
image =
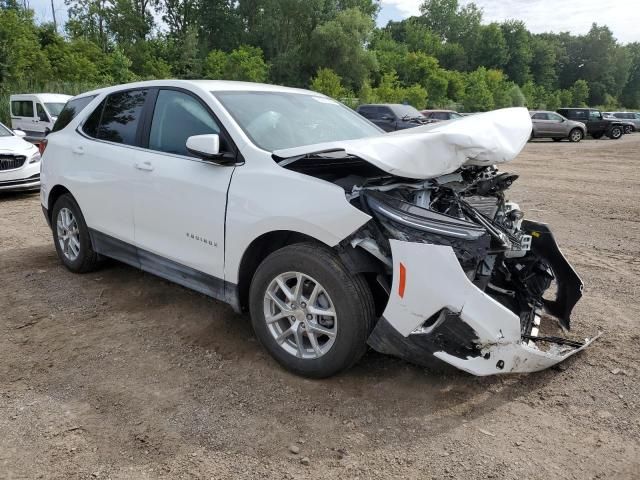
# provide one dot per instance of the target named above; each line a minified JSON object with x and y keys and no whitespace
{"x":621,"y":16}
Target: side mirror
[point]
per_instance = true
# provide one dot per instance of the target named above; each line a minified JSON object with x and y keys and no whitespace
{"x":207,"y":147}
{"x":19,"y":133}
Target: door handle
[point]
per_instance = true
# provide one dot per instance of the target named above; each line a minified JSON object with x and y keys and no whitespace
{"x":78,"y":150}
{"x":146,"y":166}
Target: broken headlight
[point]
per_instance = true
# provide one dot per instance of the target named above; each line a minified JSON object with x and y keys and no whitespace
{"x":412,"y":216}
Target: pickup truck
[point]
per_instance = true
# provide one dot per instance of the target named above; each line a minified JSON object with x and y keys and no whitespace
{"x":597,"y":124}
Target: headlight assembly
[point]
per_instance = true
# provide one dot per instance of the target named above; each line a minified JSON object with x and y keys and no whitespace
{"x":422,"y":219}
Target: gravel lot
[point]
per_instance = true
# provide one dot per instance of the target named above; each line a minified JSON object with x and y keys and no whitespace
{"x":118,"y":374}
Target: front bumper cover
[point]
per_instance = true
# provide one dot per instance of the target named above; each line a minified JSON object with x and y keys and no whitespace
{"x":435,"y":310}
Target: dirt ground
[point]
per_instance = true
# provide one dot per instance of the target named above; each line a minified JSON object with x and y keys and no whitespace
{"x":118,"y":374}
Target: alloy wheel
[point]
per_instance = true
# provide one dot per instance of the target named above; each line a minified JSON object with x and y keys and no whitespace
{"x":68,"y":234}
{"x":300,"y":315}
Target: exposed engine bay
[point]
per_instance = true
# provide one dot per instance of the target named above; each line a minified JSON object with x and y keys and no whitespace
{"x":468,"y":278}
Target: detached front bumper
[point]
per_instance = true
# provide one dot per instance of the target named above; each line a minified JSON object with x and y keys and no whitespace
{"x":434,"y":309}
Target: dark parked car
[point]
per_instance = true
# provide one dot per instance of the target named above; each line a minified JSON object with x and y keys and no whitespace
{"x":392,"y":116}
{"x":553,"y":125}
{"x":440,"y":115}
{"x":597,"y":124}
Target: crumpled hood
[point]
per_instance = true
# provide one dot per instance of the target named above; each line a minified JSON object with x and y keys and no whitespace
{"x":437,"y":149}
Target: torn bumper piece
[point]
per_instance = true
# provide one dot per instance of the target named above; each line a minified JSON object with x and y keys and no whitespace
{"x":434,"y":309}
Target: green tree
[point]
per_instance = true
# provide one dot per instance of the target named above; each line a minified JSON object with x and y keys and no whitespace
{"x":579,"y":93}
{"x":491,"y":50}
{"x":518,"y":41}
{"x":327,"y":82}
{"x":415,"y":95}
{"x":339,"y":44}
{"x":477,"y":97}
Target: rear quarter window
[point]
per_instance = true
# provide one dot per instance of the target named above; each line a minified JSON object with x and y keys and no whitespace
{"x":70,"y":111}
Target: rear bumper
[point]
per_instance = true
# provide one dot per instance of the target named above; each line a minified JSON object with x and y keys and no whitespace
{"x":21,"y":184}
{"x":434,"y":310}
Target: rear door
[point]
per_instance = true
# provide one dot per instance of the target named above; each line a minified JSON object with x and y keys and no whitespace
{"x":180,"y":200}
{"x":104,"y":158}
{"x":541,"y":124}
{"x":557,"y":125}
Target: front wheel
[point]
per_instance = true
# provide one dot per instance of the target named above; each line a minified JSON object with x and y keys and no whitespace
{"x":628,"y":129}
{"x":615,"y":133}
{"x":576,"y":135}
{"x":311,"y":313}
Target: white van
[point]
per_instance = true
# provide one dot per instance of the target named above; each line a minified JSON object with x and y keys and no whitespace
{"x":35,"y":113}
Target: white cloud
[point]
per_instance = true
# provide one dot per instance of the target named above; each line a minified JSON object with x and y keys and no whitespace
{"x":407,"y":7}
{"x":621,"y":16}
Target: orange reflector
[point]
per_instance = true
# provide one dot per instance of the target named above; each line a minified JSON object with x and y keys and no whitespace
{"x":403,"y":280}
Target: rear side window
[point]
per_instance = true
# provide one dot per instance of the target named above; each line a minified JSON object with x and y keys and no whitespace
{"x":117,"y":118}
{"x":540,"y":116}
{"x":176,"y":117}
{"x":440,"y":116}
{"x":70,"y":111}
{"x":22,"y":108}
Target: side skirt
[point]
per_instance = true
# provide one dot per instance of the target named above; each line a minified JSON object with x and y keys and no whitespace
{"x":162,"y":267}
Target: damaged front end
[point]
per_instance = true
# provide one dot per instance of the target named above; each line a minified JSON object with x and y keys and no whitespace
{"x":471,"y":279}
{"x":466,"y":279}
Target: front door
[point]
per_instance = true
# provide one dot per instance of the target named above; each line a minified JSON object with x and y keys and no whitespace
{"x":180,"y":200}
{"x":42,"y":120}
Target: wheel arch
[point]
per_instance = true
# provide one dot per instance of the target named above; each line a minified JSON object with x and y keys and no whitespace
{"x":54,"y":194}
{"x":259,"y":249}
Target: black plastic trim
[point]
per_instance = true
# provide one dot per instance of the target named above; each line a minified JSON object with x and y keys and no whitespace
{"x":163,"y":267}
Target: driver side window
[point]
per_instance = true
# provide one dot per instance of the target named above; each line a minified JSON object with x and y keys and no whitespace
{"x":176,"y":117}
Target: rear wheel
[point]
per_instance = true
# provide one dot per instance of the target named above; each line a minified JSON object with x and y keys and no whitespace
{"x":628,"y":129}
{"x":615,"y":133}
{"x":309,"y":311}
{"x":575,"y":135}
{"x":71,"y":236}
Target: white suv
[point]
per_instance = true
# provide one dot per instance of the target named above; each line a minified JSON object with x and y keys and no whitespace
{"x":332,"y":234}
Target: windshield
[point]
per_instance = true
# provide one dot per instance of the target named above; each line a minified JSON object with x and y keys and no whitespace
{"x":455,"y":115}
{"x":408,"y":111}
{"x":54,"y":108}
{"x":4,"y":131}
{"x":280,"y":120}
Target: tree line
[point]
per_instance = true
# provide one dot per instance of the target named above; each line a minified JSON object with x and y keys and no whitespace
{"x":444,"y":57}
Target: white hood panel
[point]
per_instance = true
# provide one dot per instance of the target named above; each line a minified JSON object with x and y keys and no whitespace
{"x":437,"y":149}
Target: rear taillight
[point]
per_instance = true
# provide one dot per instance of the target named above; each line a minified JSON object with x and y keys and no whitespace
{"x":42,"y":145}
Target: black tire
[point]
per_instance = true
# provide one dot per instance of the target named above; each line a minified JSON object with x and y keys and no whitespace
{"x":597,"y":136}
{"x":349,"y":293}
{"x":576,"y":135}
{"x":628,"y":129}
{"x":87,"y":259}
{"x":615,"y":133}
{"x":556,"y":139}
